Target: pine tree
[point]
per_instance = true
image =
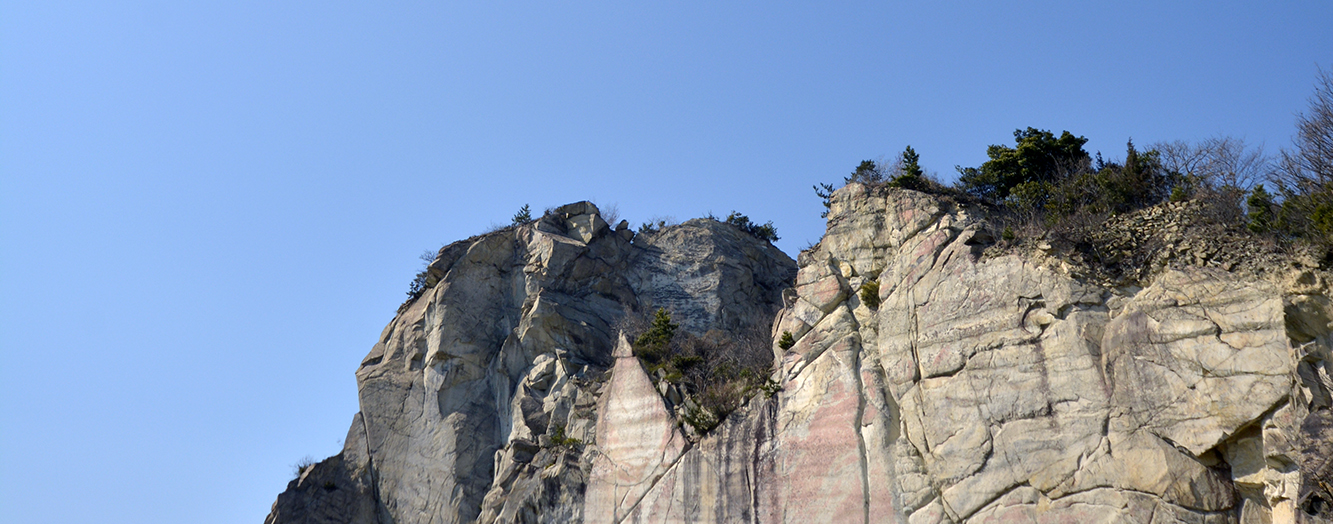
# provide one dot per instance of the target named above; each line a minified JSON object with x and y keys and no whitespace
{"x":910,"y":174}
{"x":523,"y":216}
{"x":1261,"y":210}
{"x":652,"y":344}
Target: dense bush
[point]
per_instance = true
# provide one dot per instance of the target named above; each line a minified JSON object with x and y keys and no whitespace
{"x":717,"y":370}
{"x":1109,"y":188}
{"x":1047,"y":177}
{"x":1260,"y":205}
{"x":1045,"y":183}
{"x":418,"y":285}
{"x":870,"y":294}
{"x":1038,"y":159}
{"x":764,"y":231}
{"x":559,"y":439}
{"x":651,"y":346}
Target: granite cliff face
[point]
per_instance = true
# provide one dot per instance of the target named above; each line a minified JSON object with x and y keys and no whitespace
{"x":931,"y":380}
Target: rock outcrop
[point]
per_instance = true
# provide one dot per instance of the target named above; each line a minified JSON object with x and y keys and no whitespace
{"x":932,"y":379}
{"x":481,"y":400}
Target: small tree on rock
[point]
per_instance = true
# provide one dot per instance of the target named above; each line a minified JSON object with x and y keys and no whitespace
{"x":867,"y":172}
{"x":764,"y":231}
{"x":523,"y":216}
{"x":652,"y":344}
{"x":909,"y":172}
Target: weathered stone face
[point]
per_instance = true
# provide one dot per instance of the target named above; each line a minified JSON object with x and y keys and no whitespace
{"x":482,"y":399}
{"x":975,"y":389}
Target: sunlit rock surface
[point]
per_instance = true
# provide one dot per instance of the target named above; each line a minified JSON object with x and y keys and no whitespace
{"x":975,"y":385}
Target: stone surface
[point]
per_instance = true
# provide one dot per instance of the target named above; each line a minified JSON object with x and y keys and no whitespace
{"x":984,"y":386}
{"x":337,"y":490}
{"x":638,"y":439}
{"x":479,"y":401}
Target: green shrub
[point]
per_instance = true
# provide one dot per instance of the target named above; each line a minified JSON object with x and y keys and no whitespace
{"x":764,"y":231}
{"x":559,"y":439}
{"x":418,"y":285}
{"x":1049,"y":183}
{"x":870,"y":294}
{"x":683,"y":362}
{"x":651,"y":346}
{"x":1260,"y":214}
{"x":825,"y":194}
{"x":1037,"y":156}
{"x":1029,"y":197}
{"x":867,"y":172}
{"x":787,"y":341}
{"x":770,"y":387}
{"x":716,"y":370}
{"x":701,"y":419}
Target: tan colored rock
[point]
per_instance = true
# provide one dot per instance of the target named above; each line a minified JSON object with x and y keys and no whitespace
{"x":984,"y":387}
{"x":821,"y":286}
{"x":638,"y":440}
{"x":819,"y":452}
{"x":1197,"y":356}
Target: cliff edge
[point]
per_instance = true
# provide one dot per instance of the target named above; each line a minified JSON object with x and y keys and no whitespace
{"x":932,"y":378}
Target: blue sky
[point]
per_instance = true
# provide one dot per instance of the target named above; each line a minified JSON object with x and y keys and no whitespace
{"x":209,"y":210}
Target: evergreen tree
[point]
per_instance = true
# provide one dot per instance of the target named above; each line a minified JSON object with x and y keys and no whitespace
{"x":1261,"y":210}
{"x":523,"y":216}
{"x":652,"y":344}
{"x":1037,"y":156}
{"x":867,"y":172}
{"x":910,"y":174}
{"x":825,"y":194}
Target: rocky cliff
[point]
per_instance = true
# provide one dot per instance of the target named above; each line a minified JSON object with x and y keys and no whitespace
{"x":933,"y":378}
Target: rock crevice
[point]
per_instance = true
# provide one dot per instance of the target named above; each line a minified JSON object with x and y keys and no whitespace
{"x":978,"y":386}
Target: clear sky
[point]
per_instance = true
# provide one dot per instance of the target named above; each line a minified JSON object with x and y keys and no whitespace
{"x":209,"y":210}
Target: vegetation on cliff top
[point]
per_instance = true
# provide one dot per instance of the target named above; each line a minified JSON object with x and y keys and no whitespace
{"x":1047,"y":186}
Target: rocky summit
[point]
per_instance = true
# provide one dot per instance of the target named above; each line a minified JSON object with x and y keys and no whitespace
{"x":920,"y":373}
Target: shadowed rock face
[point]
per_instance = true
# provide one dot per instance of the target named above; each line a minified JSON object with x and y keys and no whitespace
{"x":975,"y":389}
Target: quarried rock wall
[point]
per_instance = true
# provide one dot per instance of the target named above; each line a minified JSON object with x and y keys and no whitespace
{"x":932,"y":380}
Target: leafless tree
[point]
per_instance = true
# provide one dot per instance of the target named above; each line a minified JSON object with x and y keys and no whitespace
{"x":1230,"y":163}
{"x":1215,"y":164}
{"x":1180,"y":156}
{"x":1308,"y":168}
{"x":610,"y":213}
